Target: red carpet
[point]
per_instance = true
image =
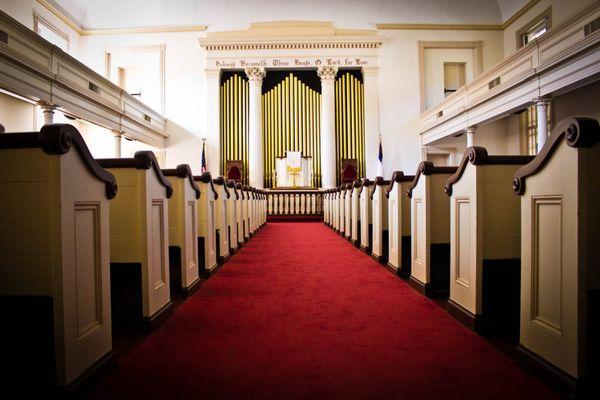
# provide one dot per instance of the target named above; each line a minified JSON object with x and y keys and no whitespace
{"x":301,"y":314}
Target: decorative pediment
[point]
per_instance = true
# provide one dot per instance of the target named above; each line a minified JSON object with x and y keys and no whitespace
{"x":291,"y":35}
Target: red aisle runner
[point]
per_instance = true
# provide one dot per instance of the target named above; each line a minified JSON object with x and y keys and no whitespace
{"x":301,"y":314}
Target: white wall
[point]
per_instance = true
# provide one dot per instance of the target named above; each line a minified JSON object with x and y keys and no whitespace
{"x":184,"y":86}
{"x":399,"y":88}
{"x":16,"y":115}
{"x":434,"y":60}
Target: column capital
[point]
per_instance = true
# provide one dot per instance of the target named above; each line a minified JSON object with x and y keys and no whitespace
{"x":47,"y":107}
{"x":471,"y":129}
{"x":117,"y":133}
{"x":542,"y":101}
{"x":255,"y":74}
{"x":327,"y":73}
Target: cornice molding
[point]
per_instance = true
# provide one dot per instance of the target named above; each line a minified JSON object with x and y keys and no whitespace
{"x":121,"y":31}
{"x":290,"y":43}
{"x":461,"y":27}
{"x":440,"y":27}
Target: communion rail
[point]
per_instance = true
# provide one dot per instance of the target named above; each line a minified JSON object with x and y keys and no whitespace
{"x":295,"y":202}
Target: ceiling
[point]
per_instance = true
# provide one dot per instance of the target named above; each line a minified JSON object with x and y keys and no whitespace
{"x":238,"y":14}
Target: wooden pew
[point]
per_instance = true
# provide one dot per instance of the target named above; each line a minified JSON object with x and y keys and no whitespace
{"x":336,"y":209}
{"x":560,"y":257}
{"x":239,"y":214}
{"x":366,"y":215}
{"x":207,"y":246}
{"x":183,"y":231}
{"x":252,"y":210}
{"x":379,"y":220}
{"x":348,"y":211}
{"x":221,"y":231}
{"x":232,"y":217}
{"x":54,"y":261}
{"x":399,"y":223}
{"x":342,"y":210}
{"x":139,"y":240}
{"x":430,"y":230}
{"x":355,"y":210}
{"x":326,"y":207}
{"x":485,"y":245}
{"x":245,"y":212}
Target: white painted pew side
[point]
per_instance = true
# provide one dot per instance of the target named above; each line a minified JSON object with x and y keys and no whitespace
{"x":139,"y":240}
{"x":560,"y":253}
{"x":348,"y":212}
{"x":207,"y":247}
{"x":430,"y":229}
{"x":245,"y":212}
{"x":366,"y":215}
{"x":239,"y":214}
{"x":399,"y":223}
{"x":485,"y":243}
{"x":54,"y":260}
{"x":232,"y":216}
{"x":183,"y":231}
{"x":221,"y":231}
{"x":342,"y":210}
{"x":355,"y":210}
{"x":379,"y":247}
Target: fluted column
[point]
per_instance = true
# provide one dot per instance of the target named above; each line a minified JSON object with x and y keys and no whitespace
{"x":256,"y":167}
{"x":471,"y":135}
{"x":541,"y":105}
{"x":328,"y":170}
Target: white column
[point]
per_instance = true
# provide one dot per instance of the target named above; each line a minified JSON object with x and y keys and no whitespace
{"x":118,"y":136}
{"x":212,"y":120}
{"x":371,"y":93}
{"x":328,"y":169}
{"x":48,"y":110}
{"x":256,"y":173}
{"x":471,"y":135}
{"x":541,"y":105}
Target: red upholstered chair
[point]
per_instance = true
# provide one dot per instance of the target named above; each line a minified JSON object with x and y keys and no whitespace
{"x":234,"y":170}
{"x":349,"y":170}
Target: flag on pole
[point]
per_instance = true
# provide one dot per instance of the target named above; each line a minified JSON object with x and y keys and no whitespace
{"x":203,"y":161}
{"x":380,"y":158}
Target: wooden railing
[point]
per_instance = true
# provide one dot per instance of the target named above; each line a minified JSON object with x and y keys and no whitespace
{"x":295,"y":202}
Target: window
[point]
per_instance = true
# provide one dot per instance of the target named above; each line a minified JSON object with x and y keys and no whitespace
{"x":454,"y":77}
{"x":51,"y":33}
{"x":529,"y":129}
{"x":536,"y":28}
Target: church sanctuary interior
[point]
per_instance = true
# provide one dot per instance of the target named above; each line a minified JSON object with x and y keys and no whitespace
{"x":300,"y":199}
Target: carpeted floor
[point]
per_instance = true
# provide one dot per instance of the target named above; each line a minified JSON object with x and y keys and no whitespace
{"x":301,"y":314}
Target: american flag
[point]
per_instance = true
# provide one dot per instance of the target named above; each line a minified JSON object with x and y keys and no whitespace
{"x":380,"y":158}
{"x":203,"y":161}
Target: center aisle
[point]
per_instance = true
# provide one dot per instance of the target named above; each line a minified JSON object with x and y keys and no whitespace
{"x":300,"y":313}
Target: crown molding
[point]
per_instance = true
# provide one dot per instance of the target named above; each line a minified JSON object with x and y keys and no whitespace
{"x":519,"y":13}
{"x":121,"y":31}
{"x":440,"y":27}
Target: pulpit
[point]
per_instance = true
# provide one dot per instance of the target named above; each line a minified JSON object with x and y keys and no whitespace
{"x":293,"y":170}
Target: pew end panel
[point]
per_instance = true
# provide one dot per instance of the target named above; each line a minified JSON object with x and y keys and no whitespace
{"x":366,"y":216}
{"x":54,"y":261}
{"x":485,"y":241}
{"x":140,"y":242}
{"x":183,"y":231}
{"x":206,"y":225}
{"x":430,"y":230}
{"x":221,"y":229}
{"x":348,"y":212}
{"x":232,"y":217}
{"x":355,"y":209}
{"x":399,"y":259}
{"x":560,"y":280}
{"x":380,"y":246}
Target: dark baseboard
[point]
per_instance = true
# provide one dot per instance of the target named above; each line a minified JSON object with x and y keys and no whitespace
{"x":356,"y":243}
{"x":391,"y":268}
{"x":223,"y":259}
{"x":423,"y":288}
{"x":552,"y":376}
{"x":464,"y":316}
{"x":210,"y":272}
{"x":366,"y":249}
{"x":152,"y":323}
{"x":190,"y":290}
{"x":379,"y":259}
{"x":90,"y":377}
